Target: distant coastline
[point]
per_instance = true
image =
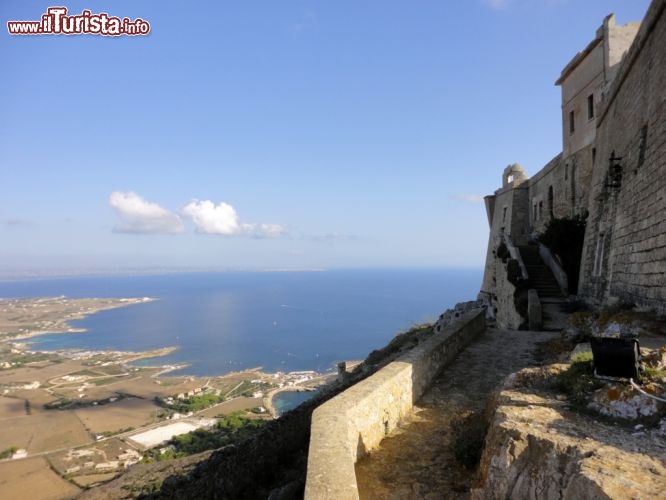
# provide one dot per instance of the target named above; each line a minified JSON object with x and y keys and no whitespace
{"x":23,"y":318}
{"x":45,"y":274}
{"x":224,"y":322}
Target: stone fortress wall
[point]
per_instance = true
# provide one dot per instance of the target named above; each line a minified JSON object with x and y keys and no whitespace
{"x":624,"y":256}
{"x":613,"y":105}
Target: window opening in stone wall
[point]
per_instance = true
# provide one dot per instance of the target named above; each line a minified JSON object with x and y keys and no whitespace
{"x":590,"y":106}
{"x":534,"y":212}
{"x":571,"y":122}
{"x":550,"y":201}
{"x":504,"y":214}
{"x":598,"y":255}
{"x":566,"y":171}
{"x":540,"y":209}
{"x":594,"y":155}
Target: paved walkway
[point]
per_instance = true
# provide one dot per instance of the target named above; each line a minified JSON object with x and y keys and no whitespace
{"x":417,"y":460}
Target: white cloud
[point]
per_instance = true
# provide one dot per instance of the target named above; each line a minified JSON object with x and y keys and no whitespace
{"x":211,"y":219}
{"x":267,"y":230}
{"x":143,"y":217}
{"x":469,"y":198}
{"x":223,"y":219}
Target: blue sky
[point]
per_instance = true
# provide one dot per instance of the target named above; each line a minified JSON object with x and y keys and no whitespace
{"x":290,"y":135}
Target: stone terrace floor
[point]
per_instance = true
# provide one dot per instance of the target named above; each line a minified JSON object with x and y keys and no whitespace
{"x":416,"y":461}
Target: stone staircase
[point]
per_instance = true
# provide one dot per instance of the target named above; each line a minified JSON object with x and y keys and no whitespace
{"x":550,"y":294}
{"x":540,"y":276}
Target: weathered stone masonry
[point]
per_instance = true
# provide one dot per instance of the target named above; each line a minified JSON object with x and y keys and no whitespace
{"x":355,"y":422}
{"x":613,"y":167}
{"x":624,"y":257}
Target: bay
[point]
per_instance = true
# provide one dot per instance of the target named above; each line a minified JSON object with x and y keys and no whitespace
{"x":288,"y":400}
{"x":280,"y":321}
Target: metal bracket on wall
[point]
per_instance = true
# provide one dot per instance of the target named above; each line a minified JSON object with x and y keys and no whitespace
{"x":614,"y":172}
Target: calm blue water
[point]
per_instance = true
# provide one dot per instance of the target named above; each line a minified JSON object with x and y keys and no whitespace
{"x":288,"y":400}
{"x":277,"y":320}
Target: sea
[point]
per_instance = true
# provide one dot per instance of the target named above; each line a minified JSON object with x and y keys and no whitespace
{"x":229,"y":321}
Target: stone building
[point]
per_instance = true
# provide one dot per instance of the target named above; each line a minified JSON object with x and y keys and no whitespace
{"x":624,"y":256}
{"x":586,"y":78}
{"x":612,"y":167}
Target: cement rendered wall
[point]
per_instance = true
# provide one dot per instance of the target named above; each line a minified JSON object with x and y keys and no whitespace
{"x":588,"y":74}
{"x":617,"y":40}
{"x":624,"y":256}
{"x":354,"y":422}
{"x":587,"y":79}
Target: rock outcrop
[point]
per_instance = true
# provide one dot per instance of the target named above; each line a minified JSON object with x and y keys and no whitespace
{"x":538,"y":448}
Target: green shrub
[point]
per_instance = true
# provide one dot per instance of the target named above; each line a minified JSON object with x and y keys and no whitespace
{"x":7,"y":453}
{"x":230,"y":429}
{"x":470,"y":431}
{"x":578,"y":381}
{"x":584,"y":322}
{"x":400,"y":343}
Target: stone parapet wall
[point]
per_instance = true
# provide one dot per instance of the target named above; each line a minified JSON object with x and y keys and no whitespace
{"x":555,"y":267}
{"x":354,"y":422}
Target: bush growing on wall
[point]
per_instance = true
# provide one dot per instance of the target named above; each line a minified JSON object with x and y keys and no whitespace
{"x":564,"y":236}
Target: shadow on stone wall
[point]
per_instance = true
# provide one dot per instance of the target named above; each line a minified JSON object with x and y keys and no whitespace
{"x":355,"y":422}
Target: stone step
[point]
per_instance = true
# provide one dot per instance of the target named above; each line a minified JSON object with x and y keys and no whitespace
{"x":540,"y":276}
{"x":554,"y":300}
{"x":552,"y":283}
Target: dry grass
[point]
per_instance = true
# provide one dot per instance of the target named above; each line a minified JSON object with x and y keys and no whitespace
{"x":122,"y":414}
{"x":148,"y":387}
{"x":11,"y":407}
{"x":37,"y":397}
{"x":32,"y":478}
{"x":43,"y":431}
{"x":232,"y":406}
{"x":37,"y":372}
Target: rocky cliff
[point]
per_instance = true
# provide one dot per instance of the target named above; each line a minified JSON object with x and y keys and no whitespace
{"x":538,"y":447}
